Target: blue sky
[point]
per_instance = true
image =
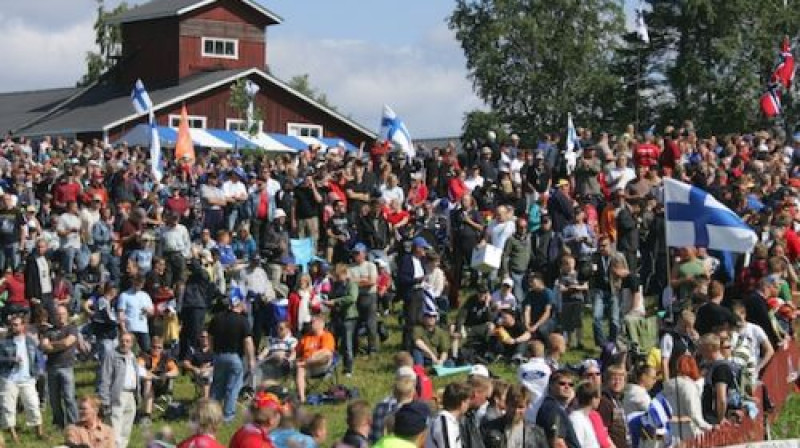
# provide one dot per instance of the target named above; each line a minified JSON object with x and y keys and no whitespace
{"x":361,"y":53}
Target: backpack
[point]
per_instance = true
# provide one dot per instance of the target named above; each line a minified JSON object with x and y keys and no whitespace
{"x":424,"y":384}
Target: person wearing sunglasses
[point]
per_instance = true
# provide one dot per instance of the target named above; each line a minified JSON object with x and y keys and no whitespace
{"x":552,"y":416}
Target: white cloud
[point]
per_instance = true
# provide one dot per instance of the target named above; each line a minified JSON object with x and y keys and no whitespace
{"x":425,"y":83}
{"x":35,"y":59}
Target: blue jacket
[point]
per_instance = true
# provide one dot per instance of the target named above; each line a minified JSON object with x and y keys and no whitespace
{"x":8,"y":357}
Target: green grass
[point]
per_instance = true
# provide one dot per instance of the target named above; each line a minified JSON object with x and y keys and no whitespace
{"x":373,"y":377}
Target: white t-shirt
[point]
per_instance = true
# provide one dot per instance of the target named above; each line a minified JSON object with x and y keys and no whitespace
{"x":756,"y":335}
{"x":584,"y":430}
{"x":499,"y":232}
{"x":234,"y":190}
{"x":391,"y":193}
{"x":71,"y":223}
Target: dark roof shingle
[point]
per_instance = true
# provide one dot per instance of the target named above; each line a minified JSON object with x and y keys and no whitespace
{"x":20,"y":108}
{"x":156,"y":9}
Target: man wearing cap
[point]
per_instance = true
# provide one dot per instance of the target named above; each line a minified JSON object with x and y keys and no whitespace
{"x":410,"y":424}
{"x":365,"y":274}
{"x":431,"y":343}
{"x":232,"y":342}
{"x":265,"y":415}
{"x":410,"y":276}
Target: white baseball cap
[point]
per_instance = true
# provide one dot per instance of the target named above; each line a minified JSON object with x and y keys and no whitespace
{"x":479,"y":370}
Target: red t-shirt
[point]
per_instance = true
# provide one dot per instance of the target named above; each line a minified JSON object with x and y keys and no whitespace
{"x":251,"y":436}
{"x":67,"y":192}
{"x":15,"y":285}
{"x":456,"y":189}
{"x":201,"y":441}
{"x":646,"y":154}
{"x":394,"y":218}
{"x":177,"y":205}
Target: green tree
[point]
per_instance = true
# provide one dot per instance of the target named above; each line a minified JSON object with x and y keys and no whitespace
{"x":302,"y":84}
{"x":239,"y":101}
{"x":533,"y":61}
{"x":714,"y":57}
{"x":108,"y":38}
{"x":477,"y":123}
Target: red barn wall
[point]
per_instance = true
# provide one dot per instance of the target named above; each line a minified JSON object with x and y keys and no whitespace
{"x":150,"y":52}
{"x":278,"y":108}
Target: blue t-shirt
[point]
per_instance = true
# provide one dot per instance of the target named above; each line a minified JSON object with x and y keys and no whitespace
{"x":133,"y":304}
{"x":288,"y":437}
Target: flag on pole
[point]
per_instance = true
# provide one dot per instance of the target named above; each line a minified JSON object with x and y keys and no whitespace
{"x":140,"y":98}
{"x":156,"y":165}
{"x":394,"y":130}
{"x":184,"y":146}
{"x":141,"y":104}
{"x":695,"y":218}
{"x":784,"y":71}
{"x":771,"y":102}
{"x":571,"y":155}
{"x":641,"y":26}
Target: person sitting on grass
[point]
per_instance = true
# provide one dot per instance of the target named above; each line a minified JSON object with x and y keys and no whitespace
{"x":431,"y":342}
{"x":200,"y":364}
{"x":314,"y":354}
{"x":473,"y":324}
{"x":511,"y":337}
{"x":157,"y":371}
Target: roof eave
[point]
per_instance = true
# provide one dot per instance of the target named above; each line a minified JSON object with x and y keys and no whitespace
{"x":275,"y":19}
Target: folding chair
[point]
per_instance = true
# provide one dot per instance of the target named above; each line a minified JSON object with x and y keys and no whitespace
{"x":642,"y":335}
{"x":321,"y":381}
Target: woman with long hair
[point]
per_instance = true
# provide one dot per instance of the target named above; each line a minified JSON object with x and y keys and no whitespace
{"x":683,"y":394}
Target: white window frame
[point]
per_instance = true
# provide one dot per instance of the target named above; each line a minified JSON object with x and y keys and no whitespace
{"x":243,"y":123}
{"x":205,"y":54}
{"x":295,"y":129}
{"x":175,"y":120}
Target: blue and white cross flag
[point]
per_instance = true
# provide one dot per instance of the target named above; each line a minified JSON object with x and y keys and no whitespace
{"x":695,"y":218}
{"x":140,"y":98}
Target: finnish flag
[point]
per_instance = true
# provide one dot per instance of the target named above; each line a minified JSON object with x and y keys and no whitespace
{"x":140,"y":98}
{"x":394,"y":130}
{"x":695,"y":218}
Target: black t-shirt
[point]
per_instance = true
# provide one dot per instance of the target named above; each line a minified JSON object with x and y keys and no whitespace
{"x":11,"y":222}
{"x":516,"y":330}
{"x":285,"y":200}
{"x":305,"y":205}
{"x":64,"y":358}
{"x":719,"y":372}
{"x":476,"y":312}
{"x":340,"y":225}
{"x":354,"y":205}
{"x":200,"y":358}
{"x":229,"y":330}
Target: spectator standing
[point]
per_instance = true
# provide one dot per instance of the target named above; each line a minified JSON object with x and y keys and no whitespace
{"x":69,"y":229}
{"x":134,"y":307}
{"x":232,"y":343}
{"x":410,"y":276}
{"x":19,"y":360}
{"x":365,"y":274}
{"x":610,"y":407}
{"x":59,"y":345}
{"x":344,"y":314}
{"x":119,"y":388}
{"x":403,"y":392}
{"x":552,"y":416}
{"x":411,"y":420}
{"x":13,"y":232}
{"x":444,"y":430}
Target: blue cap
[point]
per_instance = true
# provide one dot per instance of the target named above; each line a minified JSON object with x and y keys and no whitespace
{"x":236,"y":296}
{"x":420,"y":242}
{"x":359,"y":247}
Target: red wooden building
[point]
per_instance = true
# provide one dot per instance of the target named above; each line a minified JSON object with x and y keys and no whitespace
{"x":186,"y":52}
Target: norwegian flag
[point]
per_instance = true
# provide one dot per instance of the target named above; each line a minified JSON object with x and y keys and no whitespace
{"x":771,"y":102}
{"x":784,"y":72}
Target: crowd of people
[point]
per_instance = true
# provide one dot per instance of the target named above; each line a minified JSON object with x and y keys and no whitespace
{"x":240,"y":271}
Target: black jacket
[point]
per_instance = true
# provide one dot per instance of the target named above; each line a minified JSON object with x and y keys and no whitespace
{"x":627,"y":232}
{"x":373,"y":233}
{"x":494,"y":434}
{"x":33,"y":287}
{"x":471,"y":435}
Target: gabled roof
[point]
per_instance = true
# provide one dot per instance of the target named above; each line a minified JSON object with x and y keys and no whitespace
{"x":20,"y":108}
{"x":156,"y":9}
{"x":104,"y":107}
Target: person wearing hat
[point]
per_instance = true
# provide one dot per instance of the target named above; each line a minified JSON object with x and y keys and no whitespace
{"x":365,"y":274}
{"x":410,"y":276}
{"x":431,"y":342}
{"x":410,"y":425}
{"x":232,"y":342}
{"x":265,"y":414}
{"x":560,"y":206}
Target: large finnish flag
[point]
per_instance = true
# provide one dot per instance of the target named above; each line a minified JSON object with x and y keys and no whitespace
{"x":394,"y":130}
{"x":140,"y":99}
{"x":695,"y":218}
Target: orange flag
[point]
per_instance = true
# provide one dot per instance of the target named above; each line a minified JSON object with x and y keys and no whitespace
{"x":184,"y":146}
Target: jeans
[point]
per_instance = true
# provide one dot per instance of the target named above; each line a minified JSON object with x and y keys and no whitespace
{"x":61,"y":386}
{"x":10,"y":257}
{"x":228,"y":379}
{"x":520,"y":287}
{"x":413,"y":300}
{"x":143,"y":341}
{"x":68,"y":255}
{"x":604,"y":304}
{"x":368,"y":315}
{"x":421,"y":359}
{"x":346,"y":342}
